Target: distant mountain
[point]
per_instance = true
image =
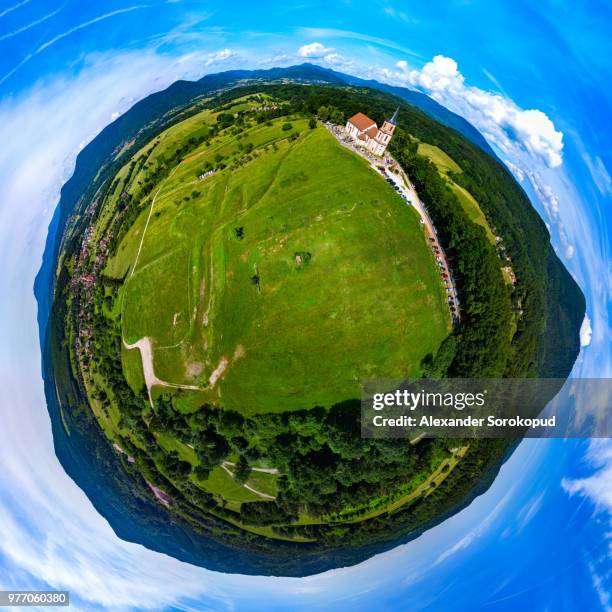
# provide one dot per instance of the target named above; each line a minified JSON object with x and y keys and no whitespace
{"x":312,"y":73}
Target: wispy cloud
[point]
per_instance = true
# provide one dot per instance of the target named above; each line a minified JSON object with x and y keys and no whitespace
{"x":68,"y":32}
{"x":399,"y":15}
{"x":32,"y":24}
{"x":322,"y":33}
{"x":217,"y":57}
{"x":10,"y":9}
{"x":478,"y":531}
{"x":597,"y":487}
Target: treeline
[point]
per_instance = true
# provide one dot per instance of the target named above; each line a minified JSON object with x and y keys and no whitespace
{"x":478,"y":468}
{"x":481,"y":346}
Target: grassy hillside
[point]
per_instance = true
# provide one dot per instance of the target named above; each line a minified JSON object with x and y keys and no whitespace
{"x":347,"y":288}
{"x":447,"y":166}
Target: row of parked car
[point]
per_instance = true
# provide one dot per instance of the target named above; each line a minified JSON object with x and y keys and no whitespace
{"x":453,"y":303}
{"x":393,"y":184}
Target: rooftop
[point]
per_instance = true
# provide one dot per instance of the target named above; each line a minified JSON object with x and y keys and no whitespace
{"x":362,"y":122}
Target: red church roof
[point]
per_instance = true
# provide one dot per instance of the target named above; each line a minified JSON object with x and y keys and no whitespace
{"x":361,"y":122}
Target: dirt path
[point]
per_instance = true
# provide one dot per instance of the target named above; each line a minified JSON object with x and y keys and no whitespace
{"x":255,"y":469}
{"x":406,"y":187}
{"x":151,"y":380}
{"x":144,"y":231}
{"x":246,"y":486}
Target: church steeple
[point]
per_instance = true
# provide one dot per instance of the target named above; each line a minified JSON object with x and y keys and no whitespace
{"x":393,"y":120}
{"x":387,"y":129}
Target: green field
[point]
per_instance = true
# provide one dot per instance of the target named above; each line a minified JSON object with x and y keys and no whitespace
{"x":439,"y":157}
{"x":327,"y":282}
{"x":446,"y":164}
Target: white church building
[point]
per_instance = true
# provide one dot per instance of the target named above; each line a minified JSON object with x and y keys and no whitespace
{"x":365,"y":132}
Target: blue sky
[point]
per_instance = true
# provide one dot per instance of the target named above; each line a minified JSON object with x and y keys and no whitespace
{"x":533,"y":77}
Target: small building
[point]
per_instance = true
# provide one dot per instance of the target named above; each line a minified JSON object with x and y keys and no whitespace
{"x":366,"y":133}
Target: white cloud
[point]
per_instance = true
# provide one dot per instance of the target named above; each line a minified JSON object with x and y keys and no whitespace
{"x":500,"y":120}
{"x":585,"y":331}
{"x":598,"y":486}
{"x":605,"y":597}
{"x":518,"y":172}
{"x":219,"y":56}
{"x":400,"y":15}
{"x":314,"y":50}
{"x":325,"y":56}
{"x":72,"y":30}
{"x":337,"y":61}
{"x":599,"y":173}
{"x":357,"y":36}
{"x":279,"y":59}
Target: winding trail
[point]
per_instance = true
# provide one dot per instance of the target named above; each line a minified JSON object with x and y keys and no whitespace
{"x":144,"y":231}
{"x":225,"y":464}
{"x":256,"y":469}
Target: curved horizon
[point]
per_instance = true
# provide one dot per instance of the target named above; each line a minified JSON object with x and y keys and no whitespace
{"x":534,"y":88}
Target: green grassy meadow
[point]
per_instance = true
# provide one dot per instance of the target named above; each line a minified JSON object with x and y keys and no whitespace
{"x":330,"y":281}
{"x":446,"y":164}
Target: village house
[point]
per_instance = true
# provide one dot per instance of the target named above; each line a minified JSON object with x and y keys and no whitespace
{"x":365,"y":132}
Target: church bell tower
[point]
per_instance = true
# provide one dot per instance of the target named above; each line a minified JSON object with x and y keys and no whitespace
{"x":388,"y":127}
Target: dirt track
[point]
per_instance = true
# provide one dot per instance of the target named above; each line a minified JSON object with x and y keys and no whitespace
{"x":151,"y":380}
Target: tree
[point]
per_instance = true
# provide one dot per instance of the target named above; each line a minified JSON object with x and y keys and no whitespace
{"x":312,"y":123}
{"x":242,"y":470}
{"x":336,"y":116}
{"x":286,"y":127}
{"x":201,"y":472}
{"x":323,"y":113}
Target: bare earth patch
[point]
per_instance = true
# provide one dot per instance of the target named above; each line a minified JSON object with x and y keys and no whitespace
{"x":218,"y":372}
{"x":194,"y":369}
{"x":238,"y":353}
